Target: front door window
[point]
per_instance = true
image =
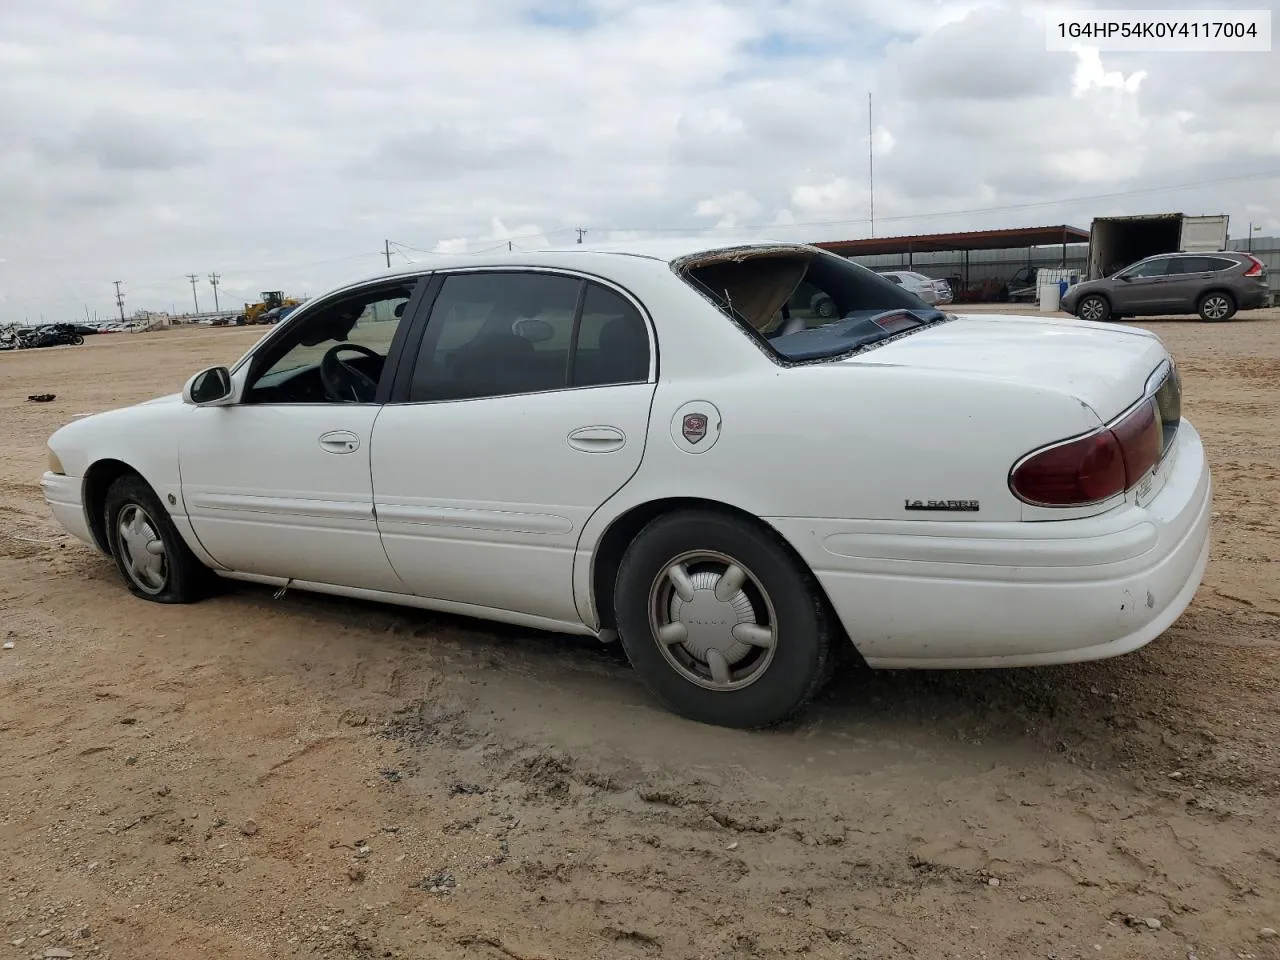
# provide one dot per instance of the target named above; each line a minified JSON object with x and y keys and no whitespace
{"x":335,"y":353}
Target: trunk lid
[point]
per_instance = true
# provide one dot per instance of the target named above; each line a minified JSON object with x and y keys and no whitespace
{"x":1103,"y":366}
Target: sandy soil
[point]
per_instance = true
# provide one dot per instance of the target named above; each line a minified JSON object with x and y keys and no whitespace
{"x":258,"y":778}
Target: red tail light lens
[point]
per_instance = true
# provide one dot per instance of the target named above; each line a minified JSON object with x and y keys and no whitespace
{"x":1141,"y":439}
{"x":1094,"y":467}
{"x":1082,"y":471}
{"x":1256,"y":269}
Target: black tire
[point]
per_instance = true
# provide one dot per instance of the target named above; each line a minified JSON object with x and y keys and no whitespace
{"x":771,"y":684}
{"x":1094,"y":308}
{"x":1216,"y":306}
{"x":77,"y":340}
{"x":178,"y":577}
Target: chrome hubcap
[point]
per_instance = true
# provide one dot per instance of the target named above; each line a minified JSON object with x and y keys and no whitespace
{"x":1215,"y":308}
{"x":713,"y":620}
{"x":141,"y":549}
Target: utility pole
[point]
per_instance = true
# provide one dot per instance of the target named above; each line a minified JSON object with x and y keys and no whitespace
{"x":581,"y":231}
{"x":871,"y":162}
{"x":213,"y":279}
{"x":86,"y":313}
{"x":193,"y":278}
{"x":119,"y":299}
{"x":386,"y":248}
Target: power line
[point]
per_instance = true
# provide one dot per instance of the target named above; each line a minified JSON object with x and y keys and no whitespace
{"x":213,"y":280}
{"x":258,"y":267}
{"x":192,"y":277}
{"x":901,"y":218}
{"x":398,"y":246}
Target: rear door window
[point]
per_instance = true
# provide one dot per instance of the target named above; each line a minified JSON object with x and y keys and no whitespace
{"x":613,"y":341}
{"x":493,"y":334}
{"x":1152,"y":268}
{"x":498,"y":333}
{"x":1180,"y":265}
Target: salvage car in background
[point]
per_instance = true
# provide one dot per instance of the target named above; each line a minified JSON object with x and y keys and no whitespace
{"x":929,"y":290}
{"x":1213,"y":285}
{"x":649,"y":444}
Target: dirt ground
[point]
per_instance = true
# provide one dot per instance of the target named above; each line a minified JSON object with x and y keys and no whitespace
{"x":262,"y":778}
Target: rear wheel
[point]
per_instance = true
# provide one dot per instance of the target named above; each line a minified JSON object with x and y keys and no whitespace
{"x":720,"y":621}
{"x":1216,"y":307}
{"x":154,"y":560}
{"x":1094,"y":308}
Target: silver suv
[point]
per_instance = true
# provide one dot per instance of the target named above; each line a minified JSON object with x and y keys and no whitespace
{"x":1214,"y":285}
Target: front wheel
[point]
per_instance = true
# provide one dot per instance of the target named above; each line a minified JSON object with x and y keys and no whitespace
{"x":154,"y":560}
{"x":720,"y":622}
{"x":1094,"y":309}
{"x":1216,"y":307}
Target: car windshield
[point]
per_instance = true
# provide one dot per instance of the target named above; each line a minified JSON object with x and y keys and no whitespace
{"x":805,"y":304}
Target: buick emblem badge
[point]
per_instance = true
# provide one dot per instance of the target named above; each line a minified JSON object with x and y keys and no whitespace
{"x":695,"y":427}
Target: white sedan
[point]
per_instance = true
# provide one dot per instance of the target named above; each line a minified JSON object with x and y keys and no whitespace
{"x":646,"y":444}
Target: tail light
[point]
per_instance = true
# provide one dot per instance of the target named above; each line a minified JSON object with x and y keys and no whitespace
{"x":1095,"y":467}
{"x":1256,"y":269}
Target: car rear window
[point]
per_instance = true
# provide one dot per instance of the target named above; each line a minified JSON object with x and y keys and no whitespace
{"x":783,"y":294}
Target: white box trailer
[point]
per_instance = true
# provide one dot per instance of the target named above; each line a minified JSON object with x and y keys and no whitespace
{"x":1116,"y":242}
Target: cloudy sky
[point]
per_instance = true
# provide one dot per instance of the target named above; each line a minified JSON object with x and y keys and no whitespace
{"x":279,"y":142}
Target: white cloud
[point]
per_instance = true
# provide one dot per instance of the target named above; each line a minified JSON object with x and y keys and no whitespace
{"x":451,"y":245}
{"x":1091,"y":75}
{"x":731,"y":209}
{"x":280,"y":143}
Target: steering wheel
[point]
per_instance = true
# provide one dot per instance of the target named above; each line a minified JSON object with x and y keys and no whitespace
{"x":343,"y":383}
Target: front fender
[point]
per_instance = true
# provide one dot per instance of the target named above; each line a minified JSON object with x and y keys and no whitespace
{"x":141,"y":438}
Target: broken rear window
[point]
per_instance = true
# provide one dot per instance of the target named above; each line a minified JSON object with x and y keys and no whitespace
{"x":805,"y":304}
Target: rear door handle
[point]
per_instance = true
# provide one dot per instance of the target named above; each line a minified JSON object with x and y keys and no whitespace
{"x":339,"y":441}
{"x":597,"y":439}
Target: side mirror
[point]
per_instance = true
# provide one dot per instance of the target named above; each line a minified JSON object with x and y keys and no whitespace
{"x":208,"y":388}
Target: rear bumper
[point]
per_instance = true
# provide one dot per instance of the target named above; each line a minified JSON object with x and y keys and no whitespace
{"x":65,"y":498}
{"x":956,"y":594}
{"x":1253,"y":299}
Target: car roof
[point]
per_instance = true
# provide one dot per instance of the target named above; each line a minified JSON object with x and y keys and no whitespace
{"x":585,"y":255}
{"x":1193,"y":253}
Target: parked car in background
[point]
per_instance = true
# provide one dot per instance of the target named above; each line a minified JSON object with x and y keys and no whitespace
{"x":928,"y":289}
{"x":645,"y":443}
{"x":1213,"y":285}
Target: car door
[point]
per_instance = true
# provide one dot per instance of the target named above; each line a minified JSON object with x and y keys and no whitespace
{"x":1187,"y":279}
{"x":526,"y":408}
{"x":278,"y":483}
{"x":1142,"y":287}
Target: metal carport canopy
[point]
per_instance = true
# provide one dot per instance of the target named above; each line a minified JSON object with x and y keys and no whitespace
{"x":969,"y":240}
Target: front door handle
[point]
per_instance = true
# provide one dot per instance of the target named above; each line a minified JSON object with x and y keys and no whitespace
{"x":597,"y":439}
{"x":339,"y":441}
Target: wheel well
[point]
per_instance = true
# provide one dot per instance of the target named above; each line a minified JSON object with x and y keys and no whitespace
{"x":1220,"y":290}
{"x":97,"y":481}
{"x":614,"y":543}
